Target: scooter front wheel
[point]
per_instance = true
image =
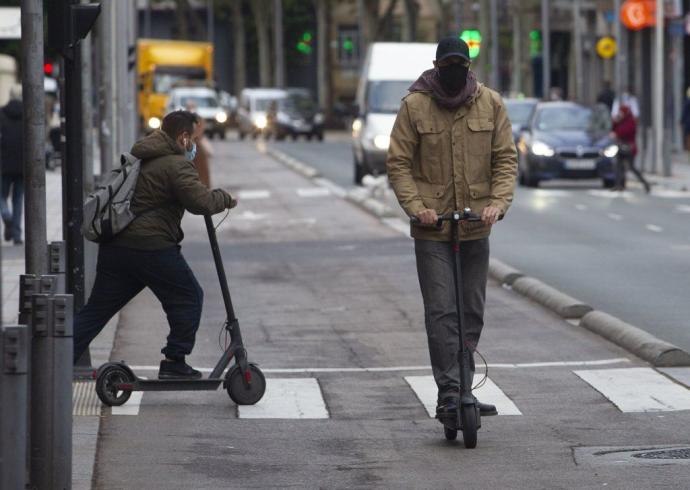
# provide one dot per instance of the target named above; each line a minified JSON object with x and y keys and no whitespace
{"x":240,"y":391}
{"x":451,"y":434}
{"x":470,"y":424}
{"x":107,"y":385}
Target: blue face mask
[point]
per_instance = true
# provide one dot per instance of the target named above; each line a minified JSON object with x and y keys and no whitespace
{"x":190,"y":154}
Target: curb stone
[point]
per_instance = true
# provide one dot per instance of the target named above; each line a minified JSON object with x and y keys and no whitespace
{"x":503,"y":273}
{"x":565,"y":306}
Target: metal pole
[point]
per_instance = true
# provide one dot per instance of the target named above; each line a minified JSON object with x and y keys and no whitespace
{"x":106,"y":80}
{"x":87,"y":111}
{"x":278,"y":39}
{"x":658,"y":90}
{"x":457,"y":16}
{"x":618,"y":61}
{"x":147,"y":19}
{"x":546,"y":49}
{"x":493,"y":4}
{"x":14,"y":346}
{"x":210,"y":21}
{"x":34,"y":136}
{"x":577,"y":35}
{"x":517,"y":51}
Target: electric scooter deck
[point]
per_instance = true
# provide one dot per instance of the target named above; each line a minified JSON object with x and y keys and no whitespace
{"x":244,"y":381}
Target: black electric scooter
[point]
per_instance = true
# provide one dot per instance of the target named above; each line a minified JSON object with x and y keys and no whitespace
{"x":244,"y":382}
{"x":467,"y":418}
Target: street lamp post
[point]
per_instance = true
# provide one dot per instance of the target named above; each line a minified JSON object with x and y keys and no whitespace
{"x":546,"y":48}
{"x":658,"y":93}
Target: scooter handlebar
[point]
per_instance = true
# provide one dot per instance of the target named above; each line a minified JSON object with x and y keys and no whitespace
{"x":457,"y":216}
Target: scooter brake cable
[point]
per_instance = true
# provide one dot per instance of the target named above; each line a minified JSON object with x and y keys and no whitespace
{"x":482,"y":382}
{"x":221,"y":221}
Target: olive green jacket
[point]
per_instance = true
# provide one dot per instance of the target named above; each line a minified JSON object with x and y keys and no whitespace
{"x":449,"y":160}
{"x":168,"y":184}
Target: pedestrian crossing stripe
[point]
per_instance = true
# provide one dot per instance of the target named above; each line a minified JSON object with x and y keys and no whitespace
{"x":638,"y":389}
{"x":288,"y":398}
{"x":425,"y":389}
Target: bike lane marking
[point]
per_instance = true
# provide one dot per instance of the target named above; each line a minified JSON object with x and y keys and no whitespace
{"x":288,"y":398}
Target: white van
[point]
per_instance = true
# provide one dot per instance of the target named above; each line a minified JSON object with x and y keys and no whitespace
{"x":388,"y":71}
{"x":253,"y":109}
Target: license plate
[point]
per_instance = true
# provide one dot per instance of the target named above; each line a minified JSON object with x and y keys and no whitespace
{"x":588,"y":164}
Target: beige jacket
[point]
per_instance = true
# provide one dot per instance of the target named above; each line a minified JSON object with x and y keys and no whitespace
{"x":450,"y":160}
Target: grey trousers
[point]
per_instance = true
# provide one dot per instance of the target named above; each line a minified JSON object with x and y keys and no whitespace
{"x":435,"y":270}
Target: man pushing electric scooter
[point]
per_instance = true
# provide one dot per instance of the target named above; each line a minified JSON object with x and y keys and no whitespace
{"x":452,"y":149}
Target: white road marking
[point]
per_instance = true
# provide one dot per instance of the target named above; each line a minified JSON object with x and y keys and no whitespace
{"x":427,"y":392}
{"x":306,"y":370}
{"x":291,"y":398}
{"x":683,"y":208}
{"x":581,"y":207}
{"x":254,"y":194}
{"x":333,"y":187}
{"x":250,"y":216}
{"x":313,"y":192}
{"x":654,"y":228}
{"x":670,"y":193}
{"x":638,"y":389}
{"x":615,"y":217}
{"x":551,"y":193}
{"x":680,"y":248}
{"x":132,"y":405}
{"x":398,"y":225}
{"x":609,"y":194}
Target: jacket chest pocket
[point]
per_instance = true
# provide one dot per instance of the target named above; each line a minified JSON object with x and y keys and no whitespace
{"x":430,"y":150}
{"x":479,"y":136}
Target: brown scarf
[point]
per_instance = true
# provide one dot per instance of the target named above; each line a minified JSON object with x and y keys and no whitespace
{"x":429,"y":82}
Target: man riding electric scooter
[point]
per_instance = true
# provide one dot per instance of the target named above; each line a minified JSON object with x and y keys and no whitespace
{"x":147,"y":252}
{"x":452,"y":149}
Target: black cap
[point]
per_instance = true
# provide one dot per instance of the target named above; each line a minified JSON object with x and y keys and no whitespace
{"x":452,"y":46}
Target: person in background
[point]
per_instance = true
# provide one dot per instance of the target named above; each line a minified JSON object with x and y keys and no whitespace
{"x":204,"y":152}
{"x":685,"y":121}
{"x":607,"y":95}
{"x":625,"y":131}
{"x":12,"y":163}
{"x":626,"y":98}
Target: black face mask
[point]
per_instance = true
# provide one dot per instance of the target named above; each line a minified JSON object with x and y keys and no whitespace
{"x":453,"y":77}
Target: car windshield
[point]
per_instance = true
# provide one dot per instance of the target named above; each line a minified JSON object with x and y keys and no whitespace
{"x":264,"y":105}
{"x":519,"y":112}
{"x":198,"y":101}
{"x":573,"y":118}
{"x":385,"y":96}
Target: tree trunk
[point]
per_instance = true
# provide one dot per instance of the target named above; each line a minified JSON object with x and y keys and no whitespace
{"x":261,"y":11}
{"x":181,"y":18}
{"x":409,"y":30}
{"x":384,"y":26}
{"x":323,"y":59}
{"x":240,"y":50}
{"x":367,"y":14}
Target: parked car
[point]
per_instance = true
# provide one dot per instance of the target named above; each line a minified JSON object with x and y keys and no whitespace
{"x":253,"y":110}
{"x":382,"y":85}
{"x":207,"y":106}
{"x":297,"y":115}
{"x":564,"y":140}
{"x":229,"y":103}
{"x":519,"y":112}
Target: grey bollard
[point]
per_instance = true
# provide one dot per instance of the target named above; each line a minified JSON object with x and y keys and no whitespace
{"x":51,"y":392}
{"x":29,"y":285}
{"x":13,"y":409}
{"x":57,"y":264}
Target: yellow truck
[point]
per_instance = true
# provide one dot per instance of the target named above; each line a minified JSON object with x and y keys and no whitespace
{"x":164,"y":64}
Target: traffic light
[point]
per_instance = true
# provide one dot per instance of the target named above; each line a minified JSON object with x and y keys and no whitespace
{"x":348,"y":46}
{"x":534,"y":43}
{"x":304,"y":45}
{"x":48,"y":69}
{"x":473,"y":38}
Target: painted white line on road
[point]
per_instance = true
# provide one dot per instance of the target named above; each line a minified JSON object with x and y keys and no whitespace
{"x":609,"y":194}
{"x":332,"y":186}
{"x":615,"y":217}
{"x":398,"y":225}
{"x":680,"y":248}
{"x":683,"y":208}
{"x":638,"y":389}
{"x":254,"y":194}
{"x":654,"y":228}
{"x":250,"y":216}
{"x":670,"y":193}
{"x":425,"y":389}
{"x":132,"y":405}
{"x":313,"y":192}
{"x":290,"y":398}
{"x":306,"y":370}
{"x":581,"y":207}
{"x":551,"y":193}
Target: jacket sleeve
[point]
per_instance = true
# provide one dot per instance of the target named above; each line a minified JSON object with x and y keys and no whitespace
{"x":403,"y":145}
{"x":503,"y":159}
{"x":195,"y":196}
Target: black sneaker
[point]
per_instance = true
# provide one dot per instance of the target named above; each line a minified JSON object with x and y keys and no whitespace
{"x":7,"y":231}
{"x":486,"y":409}
{"x":177,"y":370}
{"x":447,"y":408}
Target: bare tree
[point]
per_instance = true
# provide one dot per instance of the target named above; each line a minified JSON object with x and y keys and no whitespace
{"x":262,"y":18}
{"x":323,"y":63}
{"x":411,"y":12}
{"x":184,"y":15}
{"x":240,"y":49}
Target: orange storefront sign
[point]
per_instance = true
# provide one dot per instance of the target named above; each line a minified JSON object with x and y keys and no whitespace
{"x":638,"y":14}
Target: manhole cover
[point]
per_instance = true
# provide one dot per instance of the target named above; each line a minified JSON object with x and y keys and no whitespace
{"x":682,"y":453}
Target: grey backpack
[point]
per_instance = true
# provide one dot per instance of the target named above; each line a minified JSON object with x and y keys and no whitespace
{"x":107,"y":209}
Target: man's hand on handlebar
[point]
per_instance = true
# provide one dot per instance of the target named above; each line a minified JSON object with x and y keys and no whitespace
{"x":490,"y":215}
{"x":427,"y":217}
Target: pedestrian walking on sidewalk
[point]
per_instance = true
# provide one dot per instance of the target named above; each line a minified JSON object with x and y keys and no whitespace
{"x":147,"y":252}
{"x":685,"y":121}
{"x":452,"y":148}
{"x":607,"y":95}
{"x":625,"y":132}
{"x":12,"y":165}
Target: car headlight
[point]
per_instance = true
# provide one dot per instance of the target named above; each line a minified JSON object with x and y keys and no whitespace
{"x":260,"y":122}
{"x":154,"y":122}
{"x":356,"y":127}
{"x":221,"y":117}
{"x":382,"y":141}
{"x":541,"y":149}
{"x":283,"y":118}
{"x":318,"y":118}
{"x":610,"y":151}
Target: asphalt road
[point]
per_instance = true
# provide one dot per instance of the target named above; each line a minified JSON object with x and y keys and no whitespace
{"x":330,"y":308}
{"x":626,"y":254}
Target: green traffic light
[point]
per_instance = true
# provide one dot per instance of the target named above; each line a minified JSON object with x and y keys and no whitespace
{"x":473,"y":38}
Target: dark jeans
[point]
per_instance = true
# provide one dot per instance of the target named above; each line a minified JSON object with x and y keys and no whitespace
{"x":626,"y":162}
{"x":435,"y":270}
{"x":121,"y":274}
{"x":13,"y":218}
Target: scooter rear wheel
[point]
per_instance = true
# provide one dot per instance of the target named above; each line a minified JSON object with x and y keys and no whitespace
{"x":239,"y":391}
{"x":468,"y":416}
{"x":451,"y":434}
{"x":106,"y":385}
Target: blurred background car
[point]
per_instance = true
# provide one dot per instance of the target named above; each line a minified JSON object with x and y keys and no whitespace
{"x":254,"y":106}
{"x":229,"y":103}
{"x":382,"y":85}
{"x":565,"y":140}
{"x":297,"y":115}
{"x":207,"y":106}
{"x":519,"y":112}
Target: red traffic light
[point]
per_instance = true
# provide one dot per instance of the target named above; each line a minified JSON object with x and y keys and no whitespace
{"x":47,"y":69}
